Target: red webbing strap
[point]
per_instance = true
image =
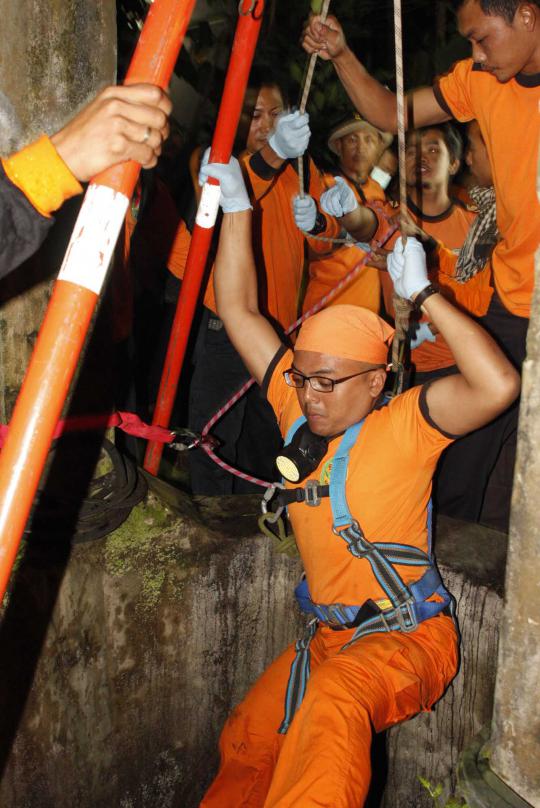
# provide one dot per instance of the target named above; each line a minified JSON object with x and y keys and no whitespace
{"x":126,"y":421}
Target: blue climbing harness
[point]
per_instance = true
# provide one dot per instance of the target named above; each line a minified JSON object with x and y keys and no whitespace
{"x":409,"y":602}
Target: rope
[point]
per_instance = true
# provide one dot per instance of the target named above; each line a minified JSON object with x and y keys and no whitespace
{"x":206,"y":442}
{"x":305,"y":94}
{"x":402,"y":308}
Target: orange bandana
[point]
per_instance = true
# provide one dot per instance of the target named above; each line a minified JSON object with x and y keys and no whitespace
{"x":349,"y":332}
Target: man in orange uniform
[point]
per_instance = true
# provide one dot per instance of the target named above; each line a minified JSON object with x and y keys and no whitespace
{"x":500,"y":88}
{"x":121,"y":123}
{"x":358,"y":146}
{"x":389,"y":659}
{"x":248,"y":436}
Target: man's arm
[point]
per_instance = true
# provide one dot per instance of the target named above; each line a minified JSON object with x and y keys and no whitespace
{"x":288,"y":141}
{"x":339,"y":201}
{"x":235,"y":282}
{"x":373,"y":101}
{"x":121,"y":123}
{"x":487,"y":383}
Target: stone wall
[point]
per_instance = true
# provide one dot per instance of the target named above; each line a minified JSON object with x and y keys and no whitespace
{"x":148,"y":639}
{"x":122,"y":658}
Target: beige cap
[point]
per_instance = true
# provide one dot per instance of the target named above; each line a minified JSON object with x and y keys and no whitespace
{"x":354,"y":125}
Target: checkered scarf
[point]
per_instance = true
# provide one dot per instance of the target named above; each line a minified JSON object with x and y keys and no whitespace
{"x":481,"y":238}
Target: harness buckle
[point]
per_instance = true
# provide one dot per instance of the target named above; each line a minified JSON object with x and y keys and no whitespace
{"x":271,"y":516}
{"x":311,"y":493}
{"x":353,"y":526}
{"x":405,"y":616}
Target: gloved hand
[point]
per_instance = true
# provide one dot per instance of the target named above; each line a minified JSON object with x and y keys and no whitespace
{"x":407,"y":268}
{"x":339,"y":199}
{"x":420,"y":334}
{"x":234,"y":196}
{"x":291,"y":136}
{"x":305,"y":212}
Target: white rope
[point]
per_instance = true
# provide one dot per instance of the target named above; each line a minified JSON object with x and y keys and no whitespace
{"x":305,"y":95}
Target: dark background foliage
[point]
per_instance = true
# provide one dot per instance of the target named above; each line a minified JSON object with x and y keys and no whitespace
{"x":430,"y":39}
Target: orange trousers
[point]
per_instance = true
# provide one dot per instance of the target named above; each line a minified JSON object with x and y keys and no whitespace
{"x":324,"y":759}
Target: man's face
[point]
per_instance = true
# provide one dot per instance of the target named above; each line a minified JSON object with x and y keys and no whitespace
{"x":477,"y":157}
{"x":359,"y":152}
{"x":264,"y":110}
{"x":427,"y":160}
{"x":331,"y":413}
{"x":500,"y":47}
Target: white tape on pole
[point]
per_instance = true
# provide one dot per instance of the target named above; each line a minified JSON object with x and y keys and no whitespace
{"x":94,"y":237}
{"x":208,"y":206}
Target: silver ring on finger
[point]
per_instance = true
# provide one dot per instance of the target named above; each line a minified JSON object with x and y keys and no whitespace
{"x":146,"y":136}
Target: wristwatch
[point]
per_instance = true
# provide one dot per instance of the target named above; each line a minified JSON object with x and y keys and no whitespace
{"x":422,"y":296}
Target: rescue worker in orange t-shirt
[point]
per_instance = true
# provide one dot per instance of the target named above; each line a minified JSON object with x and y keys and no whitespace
{"x":500,"y":88}
{"x":302,"y":735}
{"x":358,"y":146}
{"x":247,"y":433}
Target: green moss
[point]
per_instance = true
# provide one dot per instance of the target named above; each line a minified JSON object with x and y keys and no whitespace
{"x":138,"y":546}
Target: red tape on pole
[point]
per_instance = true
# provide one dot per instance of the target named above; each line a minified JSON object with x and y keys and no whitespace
{"x":74,"y":298}
{"x":245,"y":40}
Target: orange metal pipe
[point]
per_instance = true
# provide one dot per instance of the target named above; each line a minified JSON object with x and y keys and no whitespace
{"x":243,"y":50}
{"x":74,"y":298}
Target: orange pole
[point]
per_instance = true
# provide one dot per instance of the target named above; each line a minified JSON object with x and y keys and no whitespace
{"x":76,"y":292}
{"x":243,"y":50}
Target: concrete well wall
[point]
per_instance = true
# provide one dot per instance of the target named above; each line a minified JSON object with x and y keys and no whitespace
{"x":122,"y":658}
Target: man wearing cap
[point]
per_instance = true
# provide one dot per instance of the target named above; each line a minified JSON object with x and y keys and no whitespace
{"x":358,"y":146}
{"x":309,"y":745}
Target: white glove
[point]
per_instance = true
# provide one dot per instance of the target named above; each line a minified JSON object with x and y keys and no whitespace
{"x":422,"y":332}
{"x":234,"y":196}
{"x":407,"y":268}
{"x":305,"y":212}
{"x":291,"y":136}
{"x":339,"y":199}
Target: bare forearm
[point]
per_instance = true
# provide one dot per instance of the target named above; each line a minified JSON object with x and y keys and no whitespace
{"x":378,"y":105}
{"x":373,"y":101}
{"x":235,"y":282}
{"x":235,"y":287}
{"x":361,"y":223}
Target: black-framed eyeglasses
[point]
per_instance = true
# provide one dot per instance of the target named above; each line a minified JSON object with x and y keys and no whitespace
{"x":321,"y":384}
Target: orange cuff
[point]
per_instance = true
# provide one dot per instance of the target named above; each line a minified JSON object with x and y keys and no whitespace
{"x":41,"y":174}
{"x":383,"y":225}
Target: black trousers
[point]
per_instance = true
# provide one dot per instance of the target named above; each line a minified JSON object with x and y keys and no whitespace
{"x":474,"y":477}
{"x":248,"y":434}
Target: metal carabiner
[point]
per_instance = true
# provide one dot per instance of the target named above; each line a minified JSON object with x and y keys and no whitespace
{"x":271,"y":517}
{"x":251,"y":10}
